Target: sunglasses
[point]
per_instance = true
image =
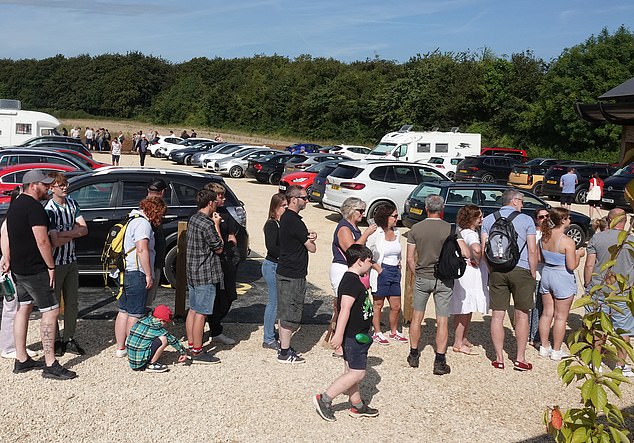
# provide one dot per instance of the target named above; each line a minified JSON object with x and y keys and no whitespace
{"x":394,"y":215}
{"x":361,"y":211}
{"x":303,"y":197}
{"x":541,"y":217}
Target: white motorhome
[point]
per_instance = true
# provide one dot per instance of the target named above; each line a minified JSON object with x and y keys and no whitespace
{"x":412,"y":146}
{"x":17,"y":126}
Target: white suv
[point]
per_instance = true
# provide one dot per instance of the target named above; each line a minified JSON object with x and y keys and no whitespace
{"x":376,"y":182}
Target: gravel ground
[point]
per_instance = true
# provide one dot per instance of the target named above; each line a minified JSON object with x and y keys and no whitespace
{"x":250,"y":397}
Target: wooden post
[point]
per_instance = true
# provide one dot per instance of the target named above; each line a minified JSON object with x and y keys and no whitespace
{"x":408,"y":295}
{"x":181,"y":270}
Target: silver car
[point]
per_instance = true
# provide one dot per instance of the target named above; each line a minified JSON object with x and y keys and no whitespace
{"x":235,"y":166}
{"x":197,"y":158}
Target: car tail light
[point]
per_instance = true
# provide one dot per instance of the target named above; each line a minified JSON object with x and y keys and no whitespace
{"x":326,"y":182}
{"x":353,"y":186}
{"x":440,"y":166}
{"x":301,"y":166}
{"x":257,"y":167}
{"x":473,"y":168}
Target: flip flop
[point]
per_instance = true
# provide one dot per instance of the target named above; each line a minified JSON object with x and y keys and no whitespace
{"x":469,"y":352}
{"x":522,"y":366}
{"x":497,"y":364}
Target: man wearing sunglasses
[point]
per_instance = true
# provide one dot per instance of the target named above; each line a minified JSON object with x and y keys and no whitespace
{"x":292,"y":267}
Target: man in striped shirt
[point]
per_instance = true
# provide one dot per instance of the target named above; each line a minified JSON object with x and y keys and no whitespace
{"x":65,"y":225}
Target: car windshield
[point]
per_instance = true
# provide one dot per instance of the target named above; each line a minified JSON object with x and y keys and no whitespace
{"x":469,"y":161}
{"x":346,"y":171}
{"x":436,"y":160}
{"x":383,"y":148}
{"x":534,"y":162}
{"x":626,"y":170}
{"x":317,"y":167}
{"x":241,"y":153}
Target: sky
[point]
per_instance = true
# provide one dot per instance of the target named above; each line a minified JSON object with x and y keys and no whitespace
{"x":346,"y":30}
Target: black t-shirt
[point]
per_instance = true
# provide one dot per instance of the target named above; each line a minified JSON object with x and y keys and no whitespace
{"x":293,"y":260}
{"x":160,"y":246}
{"x":361,"y":312}
{"x":24,"y":213}
{"x":272,"y":239}
{"x":228,"y":226}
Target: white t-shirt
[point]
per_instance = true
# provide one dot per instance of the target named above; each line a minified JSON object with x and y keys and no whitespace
{"x":116,"y":147}
{"x":138,"y":229}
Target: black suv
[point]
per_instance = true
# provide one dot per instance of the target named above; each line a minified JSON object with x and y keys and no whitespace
{"x":584,"y":172}
{"x":488,"y":198}
{"x":485,"y":169}
{"x":614,"y":188}
{"x":269,"y":169}
{"x":107,"y":196}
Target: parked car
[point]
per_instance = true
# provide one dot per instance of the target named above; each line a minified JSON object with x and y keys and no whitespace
{"x":12,"y":176}
{"x":184,"y":156}
{"x":52,"y":138}
{"x":163,"y":141}
{"x":319,"y":182}
{"x":614,"y":188}
{"x":530,"y":175}
{"x":107,"y":196}
{"x":488,"y":198}
{"x":209,"y":159}
{"x":88,"y":161}
{"x":351,"y":151}
{"x":62,"y":145}
{"x":583,"y":171}
{"x":196,"y":159}
{"x":305,"y":177}
{"x":313,"y":159}
{"x":446,"y":165}
{"x":485,"y":169}
{"x":269,"y":169}
{"x":166,"y":150}
{"x":16,"y":156}
{"x":519,"y":154}
{"x":235,"y":165}
{"x":303,"y":148}
{"x":376,"y":182}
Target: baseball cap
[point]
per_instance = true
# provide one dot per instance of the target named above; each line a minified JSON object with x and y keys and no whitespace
{"x":157,"y":186}
{"x":35,"y":176}
{"x":162,"y":312}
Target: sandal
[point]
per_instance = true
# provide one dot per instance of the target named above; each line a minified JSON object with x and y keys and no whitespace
{"x":497,"y":364}
{"x":522,"y":366}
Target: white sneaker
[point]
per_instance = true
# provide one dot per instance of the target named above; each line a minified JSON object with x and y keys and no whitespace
{"x":626,"y":370}
{"x":223,"y":339}
{"x":120,"y":353}
{"x":558,"y":355}
{"x":545,"y":352}
{"x":380,"y":339}
{"x":13,"y":354}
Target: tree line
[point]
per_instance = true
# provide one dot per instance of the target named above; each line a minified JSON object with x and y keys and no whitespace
{"x":518,"y":100}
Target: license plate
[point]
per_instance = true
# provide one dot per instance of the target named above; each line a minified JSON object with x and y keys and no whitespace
{"x":315,"y":194}
{"x":607,"y":200}
{"x":551,"y":182}
{"x":416,"y":211}
{"x":464,"y":171}
{"x":282,"y":188}
{"x":335,"y":187}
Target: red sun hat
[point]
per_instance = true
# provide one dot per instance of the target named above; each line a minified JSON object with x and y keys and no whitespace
{"x":162,"y":312}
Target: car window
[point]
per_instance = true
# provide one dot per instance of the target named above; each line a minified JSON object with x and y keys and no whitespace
{"x":383,"y":174}
{"x":491,"y":197}
{"x":57,"y":161}
{"x":133,"y":193}
{"x":531,"y":202}
{"x":346,"y":172}
{"x":427,"y":174}
{"x":186,"y":194}
{"x":423,"y":191}
{"x":461,"y":197}
{"x":13,"y":178}
{"x":94,"y":195}
{"x":455,"y":161}
{"x":490,"y":161}
{"x":405,"y":175}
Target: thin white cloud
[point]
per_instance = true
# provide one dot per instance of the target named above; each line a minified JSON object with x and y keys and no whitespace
{"x":109,"y":7}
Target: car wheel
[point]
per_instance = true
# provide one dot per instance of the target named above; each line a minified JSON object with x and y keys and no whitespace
{"x":235,"y":172}
{"x":488,"y":178}
{"x":451,"y":174}
{"x":188,"y":160}
{"x":274,"y":178}
{"x":575,"y":232}
{"x":309,"y":191}
{"x":581,"y":196}
{"x":369,"y":215}
{"x":537,"y":189}
{"x":260,"y":179}
{"x":170,"y":266}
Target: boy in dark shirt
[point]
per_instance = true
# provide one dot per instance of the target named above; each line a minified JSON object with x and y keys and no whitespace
{"x":352,"y":333}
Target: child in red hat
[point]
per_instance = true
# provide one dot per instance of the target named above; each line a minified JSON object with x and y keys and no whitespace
{"x":148,"y":339}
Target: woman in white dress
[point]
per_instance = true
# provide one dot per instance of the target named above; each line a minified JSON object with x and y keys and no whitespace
{"x":470,"y":292}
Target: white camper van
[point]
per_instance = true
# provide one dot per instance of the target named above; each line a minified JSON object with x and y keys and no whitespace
{"x":412,"y":146}
{"x":17,"y":126}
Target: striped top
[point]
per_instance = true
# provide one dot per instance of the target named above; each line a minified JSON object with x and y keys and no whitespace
{"x":62,"y":218}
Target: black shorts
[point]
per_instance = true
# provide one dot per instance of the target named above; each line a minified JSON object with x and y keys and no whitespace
{"x":355,"y":353}
{"x":567,"y":199}
{"x":594,"y":203}
{"x":36,"y":289}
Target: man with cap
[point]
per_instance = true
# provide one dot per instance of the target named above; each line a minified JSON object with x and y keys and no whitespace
{"x":31,"y":261}
{"x":143,"y":148}
{"x":148,"y":339}
{"x":157,"y":189}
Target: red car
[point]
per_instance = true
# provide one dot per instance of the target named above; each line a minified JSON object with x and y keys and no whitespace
{"x":306,"y":177}
{"x":88,"y":161}
{"x":11,"y":176}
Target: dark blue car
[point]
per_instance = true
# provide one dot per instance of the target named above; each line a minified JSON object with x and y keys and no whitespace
{"x":303,"y":148}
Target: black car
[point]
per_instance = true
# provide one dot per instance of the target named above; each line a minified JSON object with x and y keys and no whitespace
{"x":584,"y":172}
{"x":488,"y":198}
{"x":614,"y":188}
{"x":16,"y":156}
{"x":184,"y":156}
{"x":108,"y":196}
{"x":485,"y":169}
{"x":61,"y":145}
{"x":269,"y":169}
{"x":530,"y":175}
{"x":53,"y":138}
{"x":319,"y":182}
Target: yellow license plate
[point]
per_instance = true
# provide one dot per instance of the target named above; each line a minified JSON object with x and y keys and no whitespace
{"x":416,"y":211}
{"x":335,"y":187}
{"x":464,"y":171}
{"x":315,"y":193}
{"x":551,"y":182}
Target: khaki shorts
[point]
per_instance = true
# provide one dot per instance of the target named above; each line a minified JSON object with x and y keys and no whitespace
{"x":518,"y":282}
{"x":442,"y":291}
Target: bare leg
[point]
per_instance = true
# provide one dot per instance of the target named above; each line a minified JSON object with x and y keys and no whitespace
{"x":546,"y":320}
{"x":48,"y":326}
{"x":160,"y":350}
{"x":442,"y":334}
{"x":198,"y":329}
{"x":376,"y":317}
{"x":395,"y":312}
{"x":120,"y":329}
{"x":461,"y":325}
{"x":521,"y":333}
{"x":285,"y":337}
{"x":497,"y":333}
{"x":415,"y":327}
{"x":562,"y":309}
{"x":189,"y":323}
{"x":348,"y":382}
{"x":20,"y":327}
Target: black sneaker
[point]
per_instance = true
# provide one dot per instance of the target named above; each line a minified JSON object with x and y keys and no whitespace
{"x":205,"y":359}
{"x":365,"y":411}
{"x":73,"y":347}
{"x":441,"y":368}
{"x":27,"y":365}
{"x":58,"y":372}
{"x":291,"y":357}
{"x":324,"y":409}
{"x":60,"y":349}
{"x":271,"y":345}
{"x":157,"y":367}
{"x":412,"y":360}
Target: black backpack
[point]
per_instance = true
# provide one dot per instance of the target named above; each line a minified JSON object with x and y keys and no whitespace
{"x":451,"y":264}
{"x":501,"y":248}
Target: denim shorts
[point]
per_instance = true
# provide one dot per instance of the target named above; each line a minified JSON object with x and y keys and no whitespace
{"x":558,"y":282}
{"x":388,"y":282}
{"x":355,"y":353}
{"x":36,"y":288}
{"x":132,"y":300}
{"x":290,"y":300}
{"x":201,"y":298}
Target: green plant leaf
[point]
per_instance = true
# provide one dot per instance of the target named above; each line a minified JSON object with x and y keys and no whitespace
{"x":577,"y":347}
{"x":599,"y":397}
{"x":582,"y":301}
{"x":613,"y":387}
{"x":586,"y":389}
{"x":579,"y":436}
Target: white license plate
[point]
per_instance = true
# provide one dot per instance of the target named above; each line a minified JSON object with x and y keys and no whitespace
{"x":335,"y":187}
{"x":416,"y":211}
{"x":607,"y":200}
{"x":282,"y":188}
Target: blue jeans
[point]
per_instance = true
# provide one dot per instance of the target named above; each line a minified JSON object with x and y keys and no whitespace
{"x":270,"y":312}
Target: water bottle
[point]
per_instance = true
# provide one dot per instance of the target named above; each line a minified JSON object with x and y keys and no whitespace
{"x":8,"y":290}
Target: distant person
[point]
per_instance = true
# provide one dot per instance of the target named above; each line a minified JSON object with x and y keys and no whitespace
{"x":541,"y":214}
{"x":115,"y":151}
{"x":599,"y":224}
{"x":143,"y":149}
{"x":218,"y":138}
{"x":193,"y":134}
{"x":184,"y":135}
{"x":65,"y":132}
{"x":121,"y":137}
{"x":594,"y":195}
{"x":136,"y":138}
{"x":157,"y":189}
{"x":89,"y":134}
{"x":568,"y":184}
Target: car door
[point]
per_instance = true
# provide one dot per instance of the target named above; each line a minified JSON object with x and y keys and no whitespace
{"x":96,"y":198}
{"x":456,"y":199}
{"x":401,"y":181}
